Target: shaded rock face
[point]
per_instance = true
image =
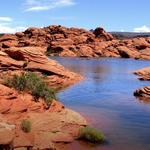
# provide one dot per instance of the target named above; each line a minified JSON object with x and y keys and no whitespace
{"x":143,"y":93}
{"x":100,"y":33}
{"x":74,"y":42}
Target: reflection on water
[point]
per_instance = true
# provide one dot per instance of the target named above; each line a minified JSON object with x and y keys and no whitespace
{"x":106,"y":98}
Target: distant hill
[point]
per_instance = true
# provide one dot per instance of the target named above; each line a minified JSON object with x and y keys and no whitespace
{"x":128,"y":35}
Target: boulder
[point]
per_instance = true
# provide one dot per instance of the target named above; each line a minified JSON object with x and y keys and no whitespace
{"x":143,"y":92}
{"x":102,"y":34}
{"x":143,"y":73}
{"x":126,"y":52}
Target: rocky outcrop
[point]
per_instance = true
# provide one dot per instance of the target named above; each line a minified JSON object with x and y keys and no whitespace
{"x":143,"y":73}
{"x":75,"y":42}
{"x":50,"y":124}
{"x":18,"y":59}
{"x":143,"y":92}
{"x":56,"y":124}
{"x":104,"y":36}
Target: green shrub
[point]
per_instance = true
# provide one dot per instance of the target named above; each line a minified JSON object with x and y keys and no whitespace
{"x":91,"y":135}
{"x":49,"y":50}
{"x":1,"y":35}
{"x":26,"y":126}
{"x":17,"y":82}
{"x":32,"y":83}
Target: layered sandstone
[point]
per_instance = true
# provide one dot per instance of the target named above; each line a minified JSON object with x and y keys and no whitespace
{"x":144,"y":92}
{"x":51,"y":126}
{"x":18,"y":59}
{"x":143,"y":73}
{"x":75,"y":42}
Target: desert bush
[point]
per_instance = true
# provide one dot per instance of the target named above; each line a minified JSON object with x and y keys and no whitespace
{"x":91,"y":135}
{"x":31,"y":82}
{"x":26,"y":126}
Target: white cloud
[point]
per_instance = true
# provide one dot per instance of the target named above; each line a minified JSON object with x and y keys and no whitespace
{"x":39,"y":5}
{"x":5,"y":19}
{"x":142,"y":29}
{"x":122,"y":30}
{"x":10,"y":29}
{"x":6,"y":25}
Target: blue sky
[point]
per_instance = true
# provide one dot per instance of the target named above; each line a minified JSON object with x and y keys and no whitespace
{"x":113,"y":15}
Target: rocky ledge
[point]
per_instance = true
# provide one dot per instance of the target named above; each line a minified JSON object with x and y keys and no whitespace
{"x":15,"y":60}
{"x":143,"y":73}
{"x":50,"y":125}
{"x":75,"y":42}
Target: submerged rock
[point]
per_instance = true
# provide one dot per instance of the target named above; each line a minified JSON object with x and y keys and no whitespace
{"x":143,"y":92}
{"x":143,"y":73}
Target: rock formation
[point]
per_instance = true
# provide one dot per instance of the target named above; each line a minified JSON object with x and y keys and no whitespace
{"x":18,"y":59}
{"x":74,"y":42}
{"x":50,"y":126}
{"x":144,"y":92}
{"x":143,"y":73}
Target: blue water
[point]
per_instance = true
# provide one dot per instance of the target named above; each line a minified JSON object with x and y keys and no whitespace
{"x":106,"y":98}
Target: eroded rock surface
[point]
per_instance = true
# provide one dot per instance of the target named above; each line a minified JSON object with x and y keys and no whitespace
{"x":75,"y":42}
{"x":143,"y":73}
{"x":18,"y":59}
{"x":49,"y":126}
{"x":143,"y":92}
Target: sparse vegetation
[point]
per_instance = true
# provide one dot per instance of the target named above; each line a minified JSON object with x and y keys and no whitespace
{"x":31,"y":82}
{"x":26,"y":126}
{"x":55,"y":50}
{"x":91,"y":135}
{"x":49,"y":50}
{"x":1,"y":35}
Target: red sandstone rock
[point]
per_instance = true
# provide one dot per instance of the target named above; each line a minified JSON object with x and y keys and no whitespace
{"x":76,"y":42}
{"x":127,"y":53}
{"x":143,"y":92}
{"x":102,"y":34}
{"x":27,"y":58}
{"x":143,"y":73}
{"x":25,"y":52}
{"x":7,"y":133}
{"x":48,"y":126}
{"x":56,"y":107}
{"x":23,"y":140}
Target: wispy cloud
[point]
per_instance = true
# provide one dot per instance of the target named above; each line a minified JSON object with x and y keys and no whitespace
{"x":10,"y":29}
{"x":5,"y":19}
{"x":7,"y":25}
{"x":41,"y":5}
{"x":142,"y":29}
